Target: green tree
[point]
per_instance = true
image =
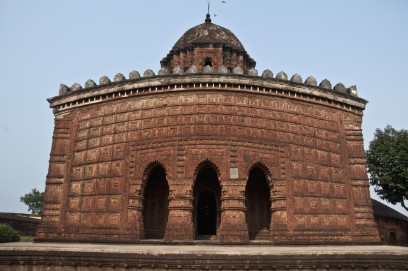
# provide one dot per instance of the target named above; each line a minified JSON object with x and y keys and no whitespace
{"x":387,"y":162}
{"x":8,"y":234}
{"x":34,"y":201}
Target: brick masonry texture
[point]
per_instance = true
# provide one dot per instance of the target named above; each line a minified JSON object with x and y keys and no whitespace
{"x":311,"y":151}
{"x":216,"y":153}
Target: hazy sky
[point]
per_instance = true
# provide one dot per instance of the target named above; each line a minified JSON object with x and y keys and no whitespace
{"x":45,"y":43}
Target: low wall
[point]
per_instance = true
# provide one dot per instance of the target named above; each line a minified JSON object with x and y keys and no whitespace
{"x":68,"y":256}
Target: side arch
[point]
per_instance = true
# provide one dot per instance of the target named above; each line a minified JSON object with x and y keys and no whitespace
{"x":155,"y":200}
{"x":258,"y":202}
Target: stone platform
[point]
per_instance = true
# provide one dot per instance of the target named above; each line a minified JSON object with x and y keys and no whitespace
{"x":74,"y":256}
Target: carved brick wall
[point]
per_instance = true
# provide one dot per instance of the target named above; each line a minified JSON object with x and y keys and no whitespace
{"x":51,"y":221}
{"x":392,"y":231}
{"x":312,"y":151}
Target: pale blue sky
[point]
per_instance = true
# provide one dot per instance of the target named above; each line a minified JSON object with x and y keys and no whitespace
{"x":45,"y":43}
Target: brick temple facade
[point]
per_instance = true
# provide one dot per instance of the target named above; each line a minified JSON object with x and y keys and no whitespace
{"x":208,"y":149}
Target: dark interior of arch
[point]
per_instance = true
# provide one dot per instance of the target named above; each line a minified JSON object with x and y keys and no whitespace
{"x":393,"y":238}
{"x":155,"y":204}
{"x":208,"y":62}
{"x":207,"y":192}
{"x":206,"y":214}
{"x":258,"y":205}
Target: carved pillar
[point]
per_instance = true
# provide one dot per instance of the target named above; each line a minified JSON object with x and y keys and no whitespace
{"x":364,"y":224}
{"x":280,"y":224}
{"x":233,"y":227}
{"x":279,"y":220}
{"x":279,"y":217}
{"x":180,"y":218}
{"x":52,"y":216}
{"x":135,"y":210}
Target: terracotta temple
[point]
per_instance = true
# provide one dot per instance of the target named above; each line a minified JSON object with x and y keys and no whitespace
{"x":208,"y":150}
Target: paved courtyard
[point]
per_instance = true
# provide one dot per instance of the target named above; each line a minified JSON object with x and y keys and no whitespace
{"x":78,"y":256}
{"x":206,"y":249}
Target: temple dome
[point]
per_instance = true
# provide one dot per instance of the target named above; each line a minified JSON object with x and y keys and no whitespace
{"x":207,"y":33}
{"x":210,"y":45}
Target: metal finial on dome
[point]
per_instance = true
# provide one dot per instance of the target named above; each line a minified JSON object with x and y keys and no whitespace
{"x":207,"y":17}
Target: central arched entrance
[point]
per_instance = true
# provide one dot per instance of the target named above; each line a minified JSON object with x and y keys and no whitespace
{"x":207,"y":193}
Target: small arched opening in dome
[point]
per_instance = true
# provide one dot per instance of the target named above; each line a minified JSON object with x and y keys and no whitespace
{"x":208,"y":62}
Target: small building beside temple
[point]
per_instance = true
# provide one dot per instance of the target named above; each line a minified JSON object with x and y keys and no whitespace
{"x":392,"y":225}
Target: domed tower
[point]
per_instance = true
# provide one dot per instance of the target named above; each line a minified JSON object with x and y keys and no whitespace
{"x":208,"y":45}
{"x":208,"y":149}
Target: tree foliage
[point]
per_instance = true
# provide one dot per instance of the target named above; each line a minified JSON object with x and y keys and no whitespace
{"x":387,"y":162}
{"x":8,"y":234}
{"x":34,"y":201}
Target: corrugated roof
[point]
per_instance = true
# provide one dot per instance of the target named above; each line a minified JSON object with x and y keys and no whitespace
{"x":382,"y":210}
{"x":20,"y":217}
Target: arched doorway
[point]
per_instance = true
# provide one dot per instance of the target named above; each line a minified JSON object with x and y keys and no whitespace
{"x":207,"y":192}
{"x":258,"y":205}
{"x":155,"y":204}
{"x":393,"y":238}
